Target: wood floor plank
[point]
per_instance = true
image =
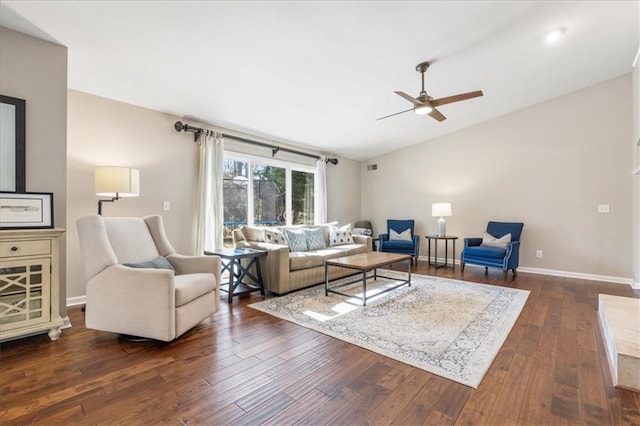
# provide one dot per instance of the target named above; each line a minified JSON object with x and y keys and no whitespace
{"x":245,"y":367}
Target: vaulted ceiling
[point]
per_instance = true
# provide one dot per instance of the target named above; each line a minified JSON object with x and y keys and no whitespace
{"x":319,"y":74}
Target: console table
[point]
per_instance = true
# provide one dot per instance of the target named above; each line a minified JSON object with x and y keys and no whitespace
{"x":446,"y":239}
{"x":232,"y":264}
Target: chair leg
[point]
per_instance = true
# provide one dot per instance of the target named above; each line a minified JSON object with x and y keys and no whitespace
{"x":515,"y":274}
{"x":504,"y":274}
{"x":486,"y":270}
{"x":462,"y":267}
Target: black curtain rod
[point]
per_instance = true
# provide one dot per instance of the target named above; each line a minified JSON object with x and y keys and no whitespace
{"x":199,"y":131}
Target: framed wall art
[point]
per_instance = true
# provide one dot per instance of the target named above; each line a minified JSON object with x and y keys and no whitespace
{"x":26,"y":210}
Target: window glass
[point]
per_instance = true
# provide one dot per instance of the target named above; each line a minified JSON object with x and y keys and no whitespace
{"x":302,"y":184}
{"x":269,"y":195}
{"x":236,"y":195}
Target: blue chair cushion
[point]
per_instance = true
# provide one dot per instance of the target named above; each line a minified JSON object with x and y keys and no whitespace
{"x":398,"y":245}
{"x":478,"y":252}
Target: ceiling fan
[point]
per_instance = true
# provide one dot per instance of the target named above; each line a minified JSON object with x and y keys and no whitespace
{"x":425,"y":104}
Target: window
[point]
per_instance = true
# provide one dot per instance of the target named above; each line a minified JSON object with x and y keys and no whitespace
{"x":266,"y":192}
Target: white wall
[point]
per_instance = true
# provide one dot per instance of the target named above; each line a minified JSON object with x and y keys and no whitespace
{"x":36,"y":71}
{"x":107,"y":132}
{"x":548,"y":165}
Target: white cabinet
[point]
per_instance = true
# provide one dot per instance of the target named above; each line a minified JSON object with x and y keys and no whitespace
{"x":29,"y":282}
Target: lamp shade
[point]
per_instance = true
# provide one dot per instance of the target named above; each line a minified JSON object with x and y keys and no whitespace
{"x":112,"y":181}
{"x":440,"y":209}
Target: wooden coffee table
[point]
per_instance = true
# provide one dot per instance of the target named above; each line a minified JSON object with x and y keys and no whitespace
{"x":364,"y":263}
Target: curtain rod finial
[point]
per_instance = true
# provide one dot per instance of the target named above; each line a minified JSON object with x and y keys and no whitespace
{"x":179,"y":126}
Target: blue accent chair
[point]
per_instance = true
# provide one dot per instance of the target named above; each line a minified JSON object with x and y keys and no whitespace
{"x":399,"y":246}
{"x":495,"y":257}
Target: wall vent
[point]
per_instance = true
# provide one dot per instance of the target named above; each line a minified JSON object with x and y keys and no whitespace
{"x":371,"y":167}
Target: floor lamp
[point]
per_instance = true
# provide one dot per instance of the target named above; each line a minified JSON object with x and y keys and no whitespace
{"x":116,"y":182}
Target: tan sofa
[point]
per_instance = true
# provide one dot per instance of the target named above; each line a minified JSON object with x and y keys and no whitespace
{"x":284,"y":271}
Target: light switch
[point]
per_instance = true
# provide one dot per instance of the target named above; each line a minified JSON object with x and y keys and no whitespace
{"x":166,"y":206}
{"x":603,"y":208}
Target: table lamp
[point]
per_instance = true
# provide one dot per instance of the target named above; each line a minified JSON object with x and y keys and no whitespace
{"x":116,"y":182}
{"x":441,"y":209}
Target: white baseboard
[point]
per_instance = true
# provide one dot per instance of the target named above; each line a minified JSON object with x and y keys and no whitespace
{"x":75,"y":301}
{"x":579,"y":275}
{"x":556,"y":273}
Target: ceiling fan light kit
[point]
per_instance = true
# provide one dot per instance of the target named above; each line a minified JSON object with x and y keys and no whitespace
{"x":425,"y":104}
{"x":422,"y":109}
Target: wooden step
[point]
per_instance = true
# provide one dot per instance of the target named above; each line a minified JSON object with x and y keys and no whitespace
{"x":619,"y":319}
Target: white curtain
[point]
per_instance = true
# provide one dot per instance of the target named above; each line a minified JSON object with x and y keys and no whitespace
{"x":210,"y":210}
{"x":320,"y":199}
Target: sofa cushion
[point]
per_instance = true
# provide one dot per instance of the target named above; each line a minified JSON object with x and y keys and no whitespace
{"x":315,"y":238}
{"x":191,"y":286}
{"x":274,"y":236}
{"x":489,"y":240}
{"x":297,"y":239}
{"x":339,"y":236}
{"x":479,"y":252}
{"x":253,"y":233}
{"x":304,"y":260}
{"x":398,"y":245}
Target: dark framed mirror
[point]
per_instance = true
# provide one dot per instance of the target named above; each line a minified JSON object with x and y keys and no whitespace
{"x":12,"y":144}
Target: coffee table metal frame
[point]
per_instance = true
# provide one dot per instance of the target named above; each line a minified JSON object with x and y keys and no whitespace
{"x":364,"y":263}
{"x":237,"y":272}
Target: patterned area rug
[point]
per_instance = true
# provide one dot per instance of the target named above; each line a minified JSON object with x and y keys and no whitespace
{"x":447,"y":327}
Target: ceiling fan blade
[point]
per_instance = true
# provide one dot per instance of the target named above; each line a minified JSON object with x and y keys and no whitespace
{"x":409,"y":98}
{"x":391,"y":115}
{"x":437,"y":115}
{"x":456,"y":98}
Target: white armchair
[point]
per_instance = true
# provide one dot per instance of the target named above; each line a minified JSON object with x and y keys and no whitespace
{"x":137,"y":300}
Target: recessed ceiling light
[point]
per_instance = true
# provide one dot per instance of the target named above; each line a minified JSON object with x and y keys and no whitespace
{"x":555,"y":35}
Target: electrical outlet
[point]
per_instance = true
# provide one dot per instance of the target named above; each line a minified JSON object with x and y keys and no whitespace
{"x":603,"y":208}
{"x":166,"y":206}
{"x":539,"y":254}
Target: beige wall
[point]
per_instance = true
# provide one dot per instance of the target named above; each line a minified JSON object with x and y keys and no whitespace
{"x":548,"y":165}
{"x":343,"y":192}
{"x":107,"y":132}
{"x":36,"y":71}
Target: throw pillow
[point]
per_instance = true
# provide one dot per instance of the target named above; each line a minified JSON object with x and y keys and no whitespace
{"x":339,"y":236}
{"x":274,"y":236}
{"x":253,"y":233}
{"x":315,"y":238}
{"x":157,"y":263}
{"x":489,"y":240}
{"x":402,"y":236}
{"x":297,"y":240}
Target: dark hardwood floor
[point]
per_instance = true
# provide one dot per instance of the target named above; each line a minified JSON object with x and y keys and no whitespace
{"x":246,"y":367}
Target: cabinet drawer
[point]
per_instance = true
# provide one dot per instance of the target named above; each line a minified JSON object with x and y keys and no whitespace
{"x":24,"y":248}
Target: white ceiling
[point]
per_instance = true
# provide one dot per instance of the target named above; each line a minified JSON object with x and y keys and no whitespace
{"x":318,"y":74}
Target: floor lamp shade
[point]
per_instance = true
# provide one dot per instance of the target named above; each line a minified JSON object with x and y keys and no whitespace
{"x":441,"y":210}
{"x":114,"y":181}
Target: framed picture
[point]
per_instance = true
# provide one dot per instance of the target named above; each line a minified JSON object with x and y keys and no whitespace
{"x":26,"y":210}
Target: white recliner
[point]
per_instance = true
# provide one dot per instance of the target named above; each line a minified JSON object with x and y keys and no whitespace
{"x":138,"y":300}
